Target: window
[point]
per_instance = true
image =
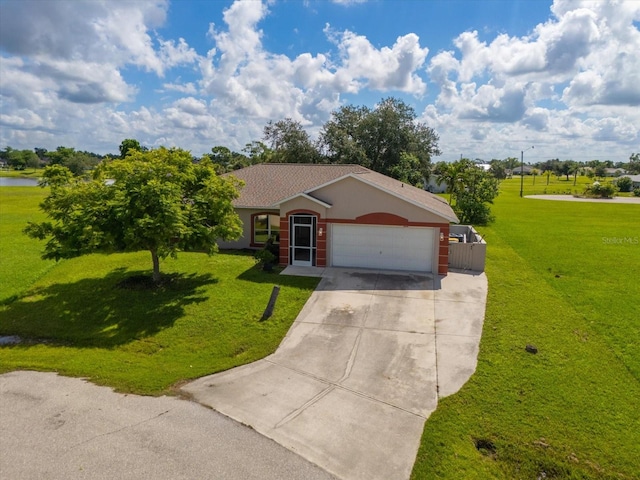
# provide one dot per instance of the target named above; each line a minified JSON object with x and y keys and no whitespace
{"x":266,"y":226}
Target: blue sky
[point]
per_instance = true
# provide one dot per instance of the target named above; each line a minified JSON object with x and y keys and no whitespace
{"x":491,"y":77}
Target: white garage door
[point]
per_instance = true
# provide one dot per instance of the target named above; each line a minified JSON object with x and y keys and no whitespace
{"x":389,"y":248}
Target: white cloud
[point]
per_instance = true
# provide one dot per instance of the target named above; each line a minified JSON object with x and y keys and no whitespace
{"x":246,"y":80}
{"x":492,"y":104}
{"x":584,"y":61}
{"x":188,"y":88}
{"x":385,"y":68}
{"x":64,"y":65}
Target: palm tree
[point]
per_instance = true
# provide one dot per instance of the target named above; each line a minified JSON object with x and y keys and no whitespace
{"x":453,"y":175}
{"x":448,"y":173}
{"x":535,"y":172}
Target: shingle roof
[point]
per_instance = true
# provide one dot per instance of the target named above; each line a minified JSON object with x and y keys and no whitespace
{"x":268,"y":184}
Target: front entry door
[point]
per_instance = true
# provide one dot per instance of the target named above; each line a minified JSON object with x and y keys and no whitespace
{"x":302,"y":251}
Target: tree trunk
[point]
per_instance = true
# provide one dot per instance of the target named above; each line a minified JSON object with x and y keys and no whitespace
{"x":156,"y":266}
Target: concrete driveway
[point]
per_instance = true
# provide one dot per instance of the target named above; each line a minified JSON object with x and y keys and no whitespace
{"x":360,"y":370}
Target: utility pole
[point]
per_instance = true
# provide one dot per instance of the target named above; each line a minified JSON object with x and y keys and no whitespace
{"x":522,"y":169}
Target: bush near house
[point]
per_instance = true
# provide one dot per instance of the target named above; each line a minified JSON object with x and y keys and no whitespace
{"x":624,"y":184}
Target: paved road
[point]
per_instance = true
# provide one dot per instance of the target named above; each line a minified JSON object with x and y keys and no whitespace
{"x":361,"y":369}
{"x":54,"y":427}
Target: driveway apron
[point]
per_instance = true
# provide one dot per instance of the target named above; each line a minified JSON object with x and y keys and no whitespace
{"x":360,"y":370}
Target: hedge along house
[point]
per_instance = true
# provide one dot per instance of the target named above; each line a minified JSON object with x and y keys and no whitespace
{"x":342,"y":216}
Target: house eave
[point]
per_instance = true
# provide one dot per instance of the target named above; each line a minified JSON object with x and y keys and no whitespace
{"x":308,"y":197}
{"x":451,"y":218}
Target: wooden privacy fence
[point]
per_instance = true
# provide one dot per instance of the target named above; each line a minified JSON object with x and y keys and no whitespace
{"x":467,"y":249}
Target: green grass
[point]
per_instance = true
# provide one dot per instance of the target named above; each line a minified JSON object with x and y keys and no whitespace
{"x":20,"y":263}
{"x":556,"y":280}
{"x":136,"y":340}
{"x":28,"y":173}
{"x":79,"y":321}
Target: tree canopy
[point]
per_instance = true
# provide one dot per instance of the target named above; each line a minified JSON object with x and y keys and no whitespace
{"x":386,"y":139}
{"x":634,"y":163}
{"x":470,"y":190}
{"x":290,"y":143}
{"x":158,"y":200}
{"x":130,"y":144}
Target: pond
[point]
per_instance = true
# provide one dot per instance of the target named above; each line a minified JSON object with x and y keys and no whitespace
{"x":18,"y":182}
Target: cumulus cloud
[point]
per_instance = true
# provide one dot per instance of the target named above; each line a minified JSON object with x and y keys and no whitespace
{"x":584,"y":61}
{"x":66,"y":67}
{"x":247,"y":80}
{"x":115,"y":32}
{"x":382,"y":69}
{"x":493,"y":104}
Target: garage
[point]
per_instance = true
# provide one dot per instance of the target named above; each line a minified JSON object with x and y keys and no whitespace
{"x":383,"y":247}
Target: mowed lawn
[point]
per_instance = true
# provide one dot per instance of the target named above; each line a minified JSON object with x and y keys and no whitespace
{"x":78,"y":319}
{"x":20,"y":263}
{"x":564,"y":277}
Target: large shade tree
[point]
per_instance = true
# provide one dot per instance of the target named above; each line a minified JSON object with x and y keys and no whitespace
{"x":289,"y":142}
{"x":387,"y":139}
{"x":158,"y":201}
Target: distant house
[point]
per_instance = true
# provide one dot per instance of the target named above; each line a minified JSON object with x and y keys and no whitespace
{"x":635,"y":180}
{"x":434,"y":187}
{"x":526,"y":169}
{"x":613,"y":172}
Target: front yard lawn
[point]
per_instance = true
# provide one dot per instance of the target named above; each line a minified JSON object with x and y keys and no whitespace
{"x":79,"y":320}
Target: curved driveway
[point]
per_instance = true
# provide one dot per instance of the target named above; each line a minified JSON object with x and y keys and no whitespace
{"x":360,"y":370}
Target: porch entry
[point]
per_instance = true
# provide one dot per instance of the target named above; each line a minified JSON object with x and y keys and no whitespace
{"x":302,"y":232}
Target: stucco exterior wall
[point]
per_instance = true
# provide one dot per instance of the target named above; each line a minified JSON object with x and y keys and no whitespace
{"x":352,"y":198}
{"x":355,"y":202}
{"x":302,"y":203}
{"x":245,"y":217}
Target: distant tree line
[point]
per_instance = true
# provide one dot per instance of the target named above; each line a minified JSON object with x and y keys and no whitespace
{"x":387,"y":139}
{"x":568,"y":168}
{"x":77,"y":161}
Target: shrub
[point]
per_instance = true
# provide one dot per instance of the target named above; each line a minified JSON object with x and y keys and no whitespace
{"x":599,"y":190}
{"x":268,"y":256}
{"x":265,"y":257}
{"x":636,"y":192}
{"x":624,"y":184}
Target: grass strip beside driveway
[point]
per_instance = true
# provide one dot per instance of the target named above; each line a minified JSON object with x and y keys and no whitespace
{"x":79,"y":321}
{"x":571,"y":410}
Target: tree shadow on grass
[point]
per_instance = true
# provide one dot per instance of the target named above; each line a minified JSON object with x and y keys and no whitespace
{"x":102,"y":312}
{"x":256,"y":274}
